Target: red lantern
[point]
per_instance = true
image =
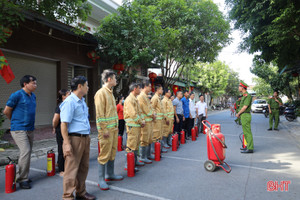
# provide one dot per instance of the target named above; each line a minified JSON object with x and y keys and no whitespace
{"x":119,"y":67}
{"x":175,"y":89}
{"x":295,"y":74}
{"x":192,"y":88}
{"x":93,"y":55}
{"x":152,"y":77}
{"x":7,"y":32}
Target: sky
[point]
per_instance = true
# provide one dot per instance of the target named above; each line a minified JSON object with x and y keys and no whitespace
{"x":238,"y":61}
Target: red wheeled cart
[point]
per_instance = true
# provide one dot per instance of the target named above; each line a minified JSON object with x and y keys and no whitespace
{"x":215,"y":147}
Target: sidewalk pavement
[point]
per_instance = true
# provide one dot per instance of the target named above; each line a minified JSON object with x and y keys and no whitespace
{"x":44,"y":140}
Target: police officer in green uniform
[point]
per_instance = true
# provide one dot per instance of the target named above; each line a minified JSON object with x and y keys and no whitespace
{"x":274,"y":104}
{"x":245,"y":115}
{"x":237,"y":104}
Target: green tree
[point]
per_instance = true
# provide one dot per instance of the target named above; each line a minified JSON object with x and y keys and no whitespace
{"x":262,"y":88}
{"x":193,"y":31}
{"x":212,"y":78}
{"x":232,"y":86}
{"x":271,"y":28}
{"x":169,"y":33}
{"x":130,"y":37}
{"x":284,"y":83}
{"x":14,"y":11}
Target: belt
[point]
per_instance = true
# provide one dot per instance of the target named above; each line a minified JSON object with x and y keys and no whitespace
{"x":180,"y":114}
{"x":78,"y":135}
{"x":246,"y":112}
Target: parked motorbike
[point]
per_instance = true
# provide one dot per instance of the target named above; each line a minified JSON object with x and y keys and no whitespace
{"x":290,"y":113}
{"x":266,"y":111}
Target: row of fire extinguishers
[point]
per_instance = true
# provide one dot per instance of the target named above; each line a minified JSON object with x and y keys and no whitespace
{"x":215,"y":151}
{"x":10,"y":171}
{"x":157,"y":149}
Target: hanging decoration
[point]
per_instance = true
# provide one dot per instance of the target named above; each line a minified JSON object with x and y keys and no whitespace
{"x":93,"y":55}
{"x":5,"y":70}
{"x":175,"y":89}
{"x":119,"y":67}
{"x":152,"y":77}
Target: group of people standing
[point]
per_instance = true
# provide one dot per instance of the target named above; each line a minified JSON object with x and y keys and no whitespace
{"x":148,"y":119}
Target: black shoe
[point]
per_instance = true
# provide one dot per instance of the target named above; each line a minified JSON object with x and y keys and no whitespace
{"x":25,"y":185}
{"x":269,"y":129}
{"x":247,"y":151}
{"x":29,"y":181}
{"x":243,"y":148}
{"x":276,"y":129}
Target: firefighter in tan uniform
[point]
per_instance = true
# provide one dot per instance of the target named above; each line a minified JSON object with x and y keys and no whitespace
{"x":160,"y":116}
{"x":169,"y":117}
{"x":134,"y":122}
{"x":107,"y":125}
{"x":147,"y":131}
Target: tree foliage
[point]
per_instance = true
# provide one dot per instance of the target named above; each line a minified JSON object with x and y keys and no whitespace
{"x":169,"y":33}
{"x":262,"y":88}
{"x":215,"y":78}
{"x":66,"y":11}
{"x":284,"y":83}
{"x":271,"y":28}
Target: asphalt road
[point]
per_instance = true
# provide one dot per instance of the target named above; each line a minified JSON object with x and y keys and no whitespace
{"x":181,"y":175}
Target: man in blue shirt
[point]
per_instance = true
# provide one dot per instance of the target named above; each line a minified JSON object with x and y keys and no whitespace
{"x":75,"y":129}
{"x":186,"y":114}
{"x":20,"y":109}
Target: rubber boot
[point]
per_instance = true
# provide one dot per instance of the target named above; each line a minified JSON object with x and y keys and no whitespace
{"x":137,"y":162}
{"x":169,"y":140}
{"x":110,"y":174}
{"x":166,"y":146}
{"x":162,"y":150}
{"x":150,"y":156}
{"x":125,"y":167}
{"x":143,"y":156}
{"x":102,"y":183}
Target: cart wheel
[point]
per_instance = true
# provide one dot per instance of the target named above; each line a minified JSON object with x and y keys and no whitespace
{"x":210,"y":166}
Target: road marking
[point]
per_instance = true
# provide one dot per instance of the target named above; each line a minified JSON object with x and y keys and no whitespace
{"x":38,"y":170}
{"x":124,"y":190}
{"x":243,"y":166}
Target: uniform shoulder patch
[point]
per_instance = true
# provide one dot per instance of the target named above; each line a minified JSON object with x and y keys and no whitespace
{"x":245,"y":94}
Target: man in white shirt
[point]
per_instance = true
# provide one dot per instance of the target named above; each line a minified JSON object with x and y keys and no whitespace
{"x":192,"y":108}
{"x":201,"y":110}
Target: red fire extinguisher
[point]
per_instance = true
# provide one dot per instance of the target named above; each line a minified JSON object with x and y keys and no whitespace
{"x":157,"y":151}
{"x":242,"y":138}
{"x":50,"y":163}
{"x":130,"y":164}
{"x":10,"y":177}
{"x":120,"y":143}
{"x":193,"y":134}
{"x":182,"y":139}
{"x":197,"y":131}
{"x":174,"y":142}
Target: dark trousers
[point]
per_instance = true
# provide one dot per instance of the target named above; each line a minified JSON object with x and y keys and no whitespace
{"x":60,"y":159}
{"x":188,"y":125}
{"x":121,"y":126}
{"x":178,"y":126}
{"x":199,"y":123}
